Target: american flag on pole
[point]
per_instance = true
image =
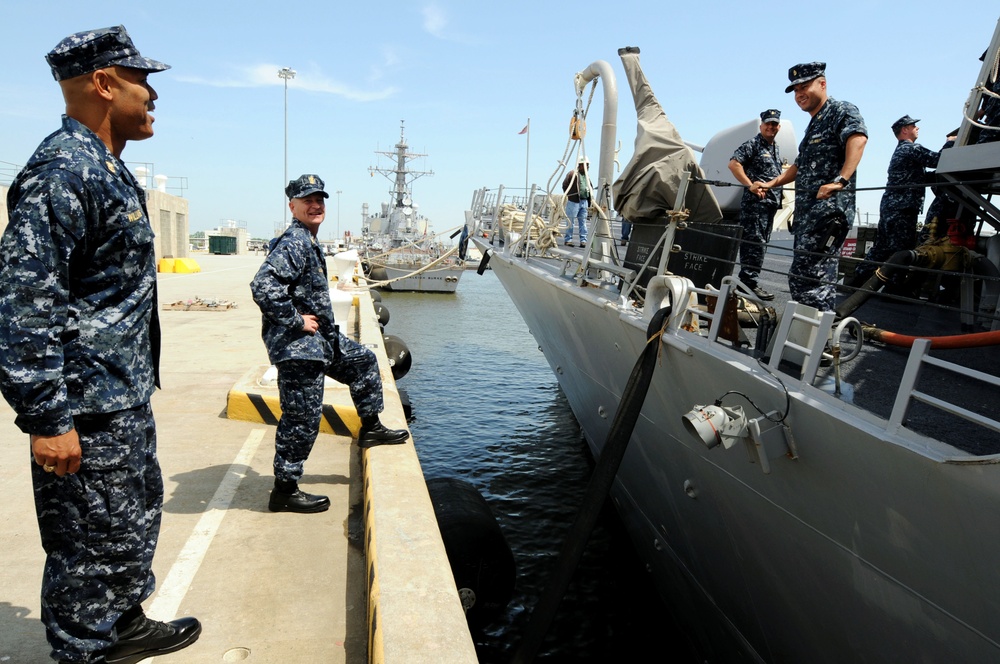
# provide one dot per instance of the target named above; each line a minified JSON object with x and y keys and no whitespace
{"x":523,"y":131}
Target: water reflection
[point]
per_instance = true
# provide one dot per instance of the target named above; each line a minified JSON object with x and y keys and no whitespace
{"x":488,"y":410}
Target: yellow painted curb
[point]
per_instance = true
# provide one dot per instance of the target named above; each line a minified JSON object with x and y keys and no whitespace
{"x":249,"y":401}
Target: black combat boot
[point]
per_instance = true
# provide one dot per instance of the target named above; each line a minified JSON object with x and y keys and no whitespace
{"x":373,"y":433}
{"x":287,"y":497}
{"x":139,"y":637}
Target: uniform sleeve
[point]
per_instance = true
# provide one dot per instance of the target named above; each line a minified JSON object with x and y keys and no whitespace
{"x":743,"y":154}
{"x":852,"y":123}
{"x":924,"y":157}
{"x":271,"y":287}
{"x":35,"y":253}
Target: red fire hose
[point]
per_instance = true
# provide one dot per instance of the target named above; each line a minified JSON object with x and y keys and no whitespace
{"x":974,"y":340}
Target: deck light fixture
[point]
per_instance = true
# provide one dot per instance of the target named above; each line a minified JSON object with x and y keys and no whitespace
{"x":715,"y":424}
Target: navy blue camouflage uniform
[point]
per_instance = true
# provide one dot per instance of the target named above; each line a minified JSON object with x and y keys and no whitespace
{"x":293,"y":281}
{"x":901,"y":204}
{"x":820,"y":226}
{"x":761,"y":163}
{"x":941,"y":208}
{"x":79,"y":347}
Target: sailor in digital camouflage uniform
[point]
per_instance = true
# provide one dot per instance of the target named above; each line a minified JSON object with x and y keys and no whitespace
{"x":824,"y":173}
{"x":942,"y":206}
{"x":79,"y":347}
{"x":757,"y":160}
{"x":305,"y":344}
{"x":903,"y":198}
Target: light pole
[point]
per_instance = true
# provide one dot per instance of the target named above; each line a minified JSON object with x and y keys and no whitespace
{"x":285,"y":74}
{"x":339,"y":192}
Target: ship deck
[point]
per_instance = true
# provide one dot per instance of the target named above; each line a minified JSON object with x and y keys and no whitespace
{"x":873,"y":377}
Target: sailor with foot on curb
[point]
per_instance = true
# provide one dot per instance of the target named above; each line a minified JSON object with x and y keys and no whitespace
{"x":304,"y":342}
{"x":79,"y":353}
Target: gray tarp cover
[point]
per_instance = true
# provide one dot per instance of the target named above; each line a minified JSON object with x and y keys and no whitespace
{"x":647,"y":187}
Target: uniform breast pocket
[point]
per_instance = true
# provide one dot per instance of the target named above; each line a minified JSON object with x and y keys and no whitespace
{"x":137,"y":233}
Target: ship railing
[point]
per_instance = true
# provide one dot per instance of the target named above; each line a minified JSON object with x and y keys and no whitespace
{"x":907,"y":388}
{"x":483,"y":220}
{"x":804,"y":338}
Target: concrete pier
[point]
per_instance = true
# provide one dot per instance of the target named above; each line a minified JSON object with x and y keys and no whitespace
{"x":367,"y":581}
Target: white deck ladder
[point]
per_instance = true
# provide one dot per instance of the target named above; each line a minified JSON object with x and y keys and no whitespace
{"x":822,"y":324}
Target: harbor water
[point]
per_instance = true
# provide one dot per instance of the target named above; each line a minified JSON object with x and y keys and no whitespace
{"x":488,"y":410}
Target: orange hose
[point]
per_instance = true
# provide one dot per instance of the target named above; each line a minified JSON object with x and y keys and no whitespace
{"x":974,"y":340}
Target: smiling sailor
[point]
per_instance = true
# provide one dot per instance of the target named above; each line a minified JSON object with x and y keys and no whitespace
{"x":825,"y":185}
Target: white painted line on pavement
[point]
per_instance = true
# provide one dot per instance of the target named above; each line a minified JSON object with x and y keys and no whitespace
{"x":182,"y":573}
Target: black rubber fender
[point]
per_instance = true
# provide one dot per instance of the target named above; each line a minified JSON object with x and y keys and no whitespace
{"x":399,"y":355}
{"x":481,"y":560}
{"x":382,"y":312}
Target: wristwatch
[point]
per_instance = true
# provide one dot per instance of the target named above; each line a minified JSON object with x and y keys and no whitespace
{"x":842,"y":181}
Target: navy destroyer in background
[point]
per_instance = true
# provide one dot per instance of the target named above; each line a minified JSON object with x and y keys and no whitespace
{"x":804,"y":486}
{"x":398,"y":250}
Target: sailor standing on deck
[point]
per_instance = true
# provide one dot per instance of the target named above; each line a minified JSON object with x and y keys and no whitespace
{"x":903,"y":198}
{"x":757,"y":160}
{"x":302,"y":339}
{"x":578,"y":191}
{"x":825,"y":184}
{"x":79,"y":349}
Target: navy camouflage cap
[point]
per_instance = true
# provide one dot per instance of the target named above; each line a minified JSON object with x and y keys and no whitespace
{"x":903,"y":122}
{"x":771,"y":115}
{"x":805,"y":72}
{"x":90,"y":50}
{"x":305,"y":185}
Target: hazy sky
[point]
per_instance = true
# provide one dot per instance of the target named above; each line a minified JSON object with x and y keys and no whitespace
{"x":465,"y":77}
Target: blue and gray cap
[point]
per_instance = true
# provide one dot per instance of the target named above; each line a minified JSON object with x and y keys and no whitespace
{"x":88,"y":51}
{"x":805,"y":72}
{"x":771,"y":115}
{"x":305,"y":185}
{"x":903,"y":122}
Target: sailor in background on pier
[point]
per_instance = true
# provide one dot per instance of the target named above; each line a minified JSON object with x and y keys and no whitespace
{"x":903,"y":198}
{"x":79,"y":354}
{"x":304,"y":342}
{"x":825,"y":185}
{"x":757,"y":160}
